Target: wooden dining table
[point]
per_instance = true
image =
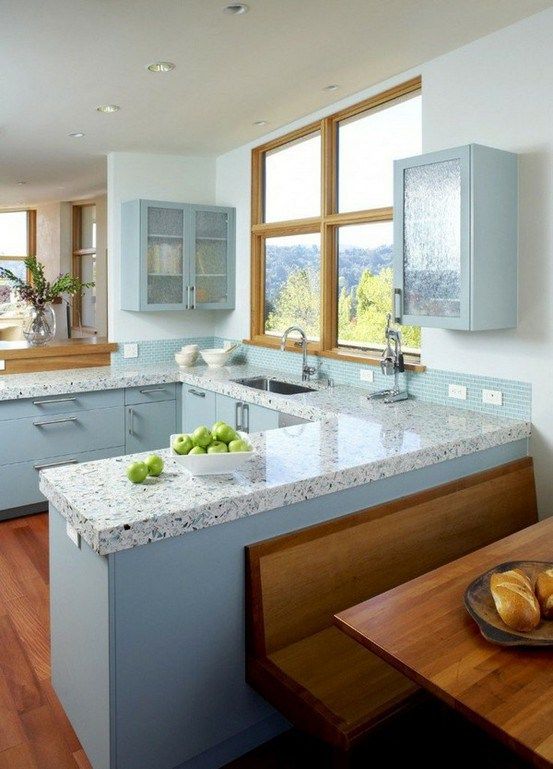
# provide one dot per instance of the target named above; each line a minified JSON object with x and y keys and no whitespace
{"x":423,"y":629}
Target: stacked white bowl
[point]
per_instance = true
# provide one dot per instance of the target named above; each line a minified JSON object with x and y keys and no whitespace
{"x":187,"y":355}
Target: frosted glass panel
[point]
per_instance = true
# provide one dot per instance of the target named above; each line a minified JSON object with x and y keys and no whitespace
{"x":432,"y":239}
{"x":211,"y":257}
{"x":165,"y":255}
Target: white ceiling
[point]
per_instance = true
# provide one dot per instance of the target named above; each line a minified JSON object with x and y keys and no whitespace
{"x":61,"y":58}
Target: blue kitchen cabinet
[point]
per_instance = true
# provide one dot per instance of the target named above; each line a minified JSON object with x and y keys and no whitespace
{"x":198,"y":407}
{"x":455,"y":239}
{"x":176,"y":256}
{"x":151,"y":417}
{"x":248,"y":417}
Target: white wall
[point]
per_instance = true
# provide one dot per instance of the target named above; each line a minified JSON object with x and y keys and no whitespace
{"x":494,"y":91}
{"x":49,"y":237}
{"x":156,"y":177}
{"x":101,"y":265}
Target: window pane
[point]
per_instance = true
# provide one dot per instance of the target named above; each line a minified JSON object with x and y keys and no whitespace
{"x":367,"y":146}
{"x":365,"y":286}
{"x":18,"y":268}
{"x":292,"y":284}
{"x":293,"y":180}
{"x":13,"y":233}
{"x":88,"y":227}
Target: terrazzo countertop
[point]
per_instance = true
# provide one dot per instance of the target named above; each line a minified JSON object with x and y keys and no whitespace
{"x":352,"y":441}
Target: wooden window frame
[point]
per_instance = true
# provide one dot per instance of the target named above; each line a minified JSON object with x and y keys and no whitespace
{"x":76,"y":261}
{"x":31,"y":236}
{"x":326,"y":224}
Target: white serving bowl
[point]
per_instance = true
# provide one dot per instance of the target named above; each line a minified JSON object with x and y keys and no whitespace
{"x":185,"y":359}
{"x":216,"y":357}
{"x":211,"y":464}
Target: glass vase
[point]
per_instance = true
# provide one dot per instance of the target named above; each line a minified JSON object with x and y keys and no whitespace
{"x":39,"y":324}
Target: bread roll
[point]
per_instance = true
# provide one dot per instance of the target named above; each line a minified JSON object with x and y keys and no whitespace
{"x":544,"y":593}
{"x":514,"y":600}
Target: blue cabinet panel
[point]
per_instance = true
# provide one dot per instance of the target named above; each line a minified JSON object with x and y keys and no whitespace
{"x":198,"y":408}
{"x":151,"y":393}
{"x":60,"y":404}
{"x":149,"y":425}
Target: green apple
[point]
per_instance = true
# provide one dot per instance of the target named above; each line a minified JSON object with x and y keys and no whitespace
{"x":215,"y":425}
{"x":154,"y":463}
{"x":224,"y":433}
{"x":197,"y":450}
{"x":202,"y":437}
{"x":137,"y":472}
{"x":239,"y":445}
{"x":217,"y":447}
{"x":182,"y":443}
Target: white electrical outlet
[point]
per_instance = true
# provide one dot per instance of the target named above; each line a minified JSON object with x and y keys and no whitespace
{"x":495,"y":397}
{"x":2,"y":365}
{"x":130,"y":351}
{"x":366,"y":375}
{"x":457,"y":391}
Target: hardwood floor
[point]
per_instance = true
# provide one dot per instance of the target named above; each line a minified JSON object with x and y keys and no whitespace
{"x":35,"y":733}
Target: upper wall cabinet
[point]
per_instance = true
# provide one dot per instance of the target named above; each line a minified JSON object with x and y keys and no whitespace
{"x":455,"y":239}
{"x":176,"y":256}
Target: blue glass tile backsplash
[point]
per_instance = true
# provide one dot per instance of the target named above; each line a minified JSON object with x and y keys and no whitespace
{"x":431,"y":385}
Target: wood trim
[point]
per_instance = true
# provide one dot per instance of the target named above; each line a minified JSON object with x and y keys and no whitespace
{"x":396,"y":92}
{"x":292,"y":227}
{"x":370,"y":358}
{"x":273,"y":343}
{"x":31,"y":232}
{"x":292,"y":136}
{"x":56,"y":363}
{"x":361,"y":217}
{"x":329,"y":287}
{"x":68,"y":348}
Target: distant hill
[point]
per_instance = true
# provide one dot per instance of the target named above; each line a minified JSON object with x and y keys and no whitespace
{"x":282,"y":260}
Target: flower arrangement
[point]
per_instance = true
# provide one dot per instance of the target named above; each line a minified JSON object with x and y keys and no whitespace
{"x":39,"y":291}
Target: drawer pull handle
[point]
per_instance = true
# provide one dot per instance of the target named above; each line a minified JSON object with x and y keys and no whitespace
{"x":55,"y":421}
{"x":237,"y":412}
{"x":246,"y":423}
{"x":153,"y":390}
{"x":57,"y":464}
{"x":131,"y":421}
{"x":53,"y":400}
{"x":197,"y":393}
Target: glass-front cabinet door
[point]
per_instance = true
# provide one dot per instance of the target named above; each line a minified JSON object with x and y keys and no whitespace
{"x":432,"y":239}
{"x":163,"y":246}
{"x":211,"y":248}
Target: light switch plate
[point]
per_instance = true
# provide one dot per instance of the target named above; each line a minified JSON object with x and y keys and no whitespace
{"x":366,"y":375}
{"x":130,"y":351}
{"x":73,"y":535}
{"x":495,"y":397}
{"x":457,"y":391}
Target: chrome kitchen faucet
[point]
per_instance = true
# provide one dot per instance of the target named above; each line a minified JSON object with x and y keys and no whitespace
{"x":306,"y":371}
{"x":391,"y":364}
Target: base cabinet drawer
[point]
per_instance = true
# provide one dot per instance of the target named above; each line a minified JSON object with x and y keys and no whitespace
{"x":60,"y":434}
{"x":46,"y":405}
{"x":19,"y":482}
{"x":151,"y":393}
{"x":198,"y":408}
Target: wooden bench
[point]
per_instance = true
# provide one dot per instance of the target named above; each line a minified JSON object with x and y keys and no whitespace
{"x":323,"y":681}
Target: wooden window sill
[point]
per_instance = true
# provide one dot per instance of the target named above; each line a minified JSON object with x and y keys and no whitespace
{"x":370,"y":359}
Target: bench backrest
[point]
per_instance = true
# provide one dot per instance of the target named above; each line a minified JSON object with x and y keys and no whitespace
{"x":295,"y":583}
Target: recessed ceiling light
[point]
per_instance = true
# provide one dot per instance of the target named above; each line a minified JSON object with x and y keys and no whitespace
{"x":21,"y":183}
{"x":161,"y":66}
{"x":107,"y":108}
{"x":261,"y":122}
{"x":236,"y":9}
{"x":76,"y":135}
{"x":331,"y":87}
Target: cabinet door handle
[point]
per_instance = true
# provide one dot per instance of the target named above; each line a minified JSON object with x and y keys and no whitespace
{"x":131,"y":421}
{"x":55,"y":421}
{"x":153,"y":390}
{"x":237,"y":413}
{"x":62,"y":462}
{"x":187,"y":297}
{"x":197,"y":393}
{"x":397,"y":305}
{"x":193,"y":289}
{"x":246,"y":411}
{"x":53,"y":400}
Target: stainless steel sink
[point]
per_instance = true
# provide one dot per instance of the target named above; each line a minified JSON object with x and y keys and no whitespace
{"x":273,"y":385}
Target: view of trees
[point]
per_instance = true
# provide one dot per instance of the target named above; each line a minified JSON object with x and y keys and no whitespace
{"x":292,"y":286}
